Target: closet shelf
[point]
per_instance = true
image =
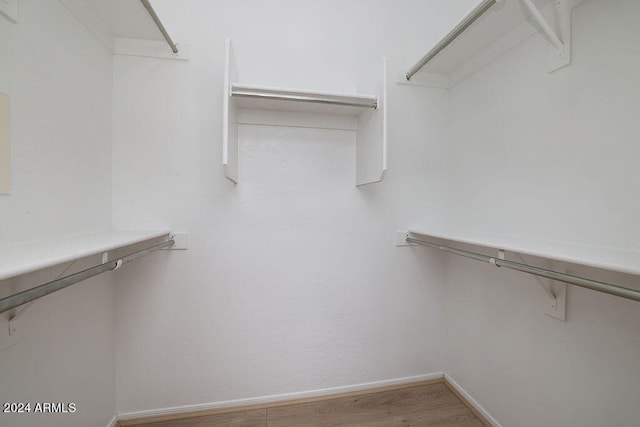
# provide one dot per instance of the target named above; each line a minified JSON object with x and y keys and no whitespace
{"x":369,"y":110}
{"x":613,"y":259}
{"x":127,"y":27}
{"x":158,"y":23}
{"x":491,"y":29}
{"x":22,"y":258}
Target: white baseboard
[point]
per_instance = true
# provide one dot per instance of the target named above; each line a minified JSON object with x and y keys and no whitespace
{"x":453,"y":383}
{"x":277,"y":397}
{"x":113,"y":421}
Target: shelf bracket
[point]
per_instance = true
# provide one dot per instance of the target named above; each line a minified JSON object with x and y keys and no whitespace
{"x":557,"y":308}
{"x":181,"y":240}
{"x":560,"y":39}
{"x":13,"y":319}
{"x":401,"y":239}
{"x":555,"y":290}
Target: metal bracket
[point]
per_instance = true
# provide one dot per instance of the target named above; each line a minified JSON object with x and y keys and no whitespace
{"x":105,"y":257}
{"x":181,"y":240}
{"x":560,"y":40}
{"x":401,"y":239}
{"x":556,"y":291}
{"x":492,"y":261}
{"x":12,"y":320}
{"x":558,"y":306}
{"x":12,"y":326}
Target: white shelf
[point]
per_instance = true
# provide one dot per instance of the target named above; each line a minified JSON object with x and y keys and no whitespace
{"x":624,"y":261}
{"x":125,"y":18}
{"x":370,"y":111}
{"x":22,"y":258}
{"x":124,"y":27}
{"x":503,"y":26}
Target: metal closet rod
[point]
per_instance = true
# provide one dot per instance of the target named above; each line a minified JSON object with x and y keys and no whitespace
{"x":595,"y":285}
{"x":317,"y":98}
{"x":454,"y":34}
{"x":155,"y":18}
{"x":29,"y":295}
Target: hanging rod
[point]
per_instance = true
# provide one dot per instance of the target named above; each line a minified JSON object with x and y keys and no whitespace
{"x":454,"y":34}
{"x":595,"y":285}
{"x":274,"y":94}
{"x":29,"y":295}
{"x":155,"y":18}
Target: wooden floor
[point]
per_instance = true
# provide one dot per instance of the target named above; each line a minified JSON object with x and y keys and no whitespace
{"x":426,"y":405}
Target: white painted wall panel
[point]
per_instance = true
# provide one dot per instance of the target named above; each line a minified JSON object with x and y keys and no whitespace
{"x":550,"y":156}
{"x":60,"y":82}
{"x":553,"y":156}
{"x":61,"y":351}
{"x":292,"y":281}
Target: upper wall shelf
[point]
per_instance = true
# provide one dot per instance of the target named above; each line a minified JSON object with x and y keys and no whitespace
{"x":491,"y":29}
{"x":127,"y":27}
{"x":17,"y":259}
{"x":624,"y":261}
{"x":370,"y":111}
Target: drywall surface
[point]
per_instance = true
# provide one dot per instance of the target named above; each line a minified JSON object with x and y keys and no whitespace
{"x":292,"y":281}
{"x":59,"y":82}
{"x":59,"y":79}
{"x":550,"y":156}
{"x":553,"y":156}
{"x":61,"y":351}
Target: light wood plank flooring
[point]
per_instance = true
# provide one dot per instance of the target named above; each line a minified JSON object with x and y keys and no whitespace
{"x":426,"y":405}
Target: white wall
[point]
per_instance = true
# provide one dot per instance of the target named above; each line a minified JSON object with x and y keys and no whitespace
{"x":553,"y":156}
{"x":291,"y":281}
{"x":550,"y":156}
{"x":60,"y":82}
{"x":61,"y":351}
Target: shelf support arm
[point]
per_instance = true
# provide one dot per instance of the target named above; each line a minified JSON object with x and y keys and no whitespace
{"x":545,"y":286}
{"x":16,"y":316}
{"x":546,"y":28}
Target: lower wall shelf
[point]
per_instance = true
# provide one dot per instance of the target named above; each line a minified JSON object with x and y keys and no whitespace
{"x":619,"y":260}
{"x":22,"y":258}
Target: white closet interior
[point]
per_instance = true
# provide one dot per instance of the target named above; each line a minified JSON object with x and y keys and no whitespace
{"x":514,"y":136}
